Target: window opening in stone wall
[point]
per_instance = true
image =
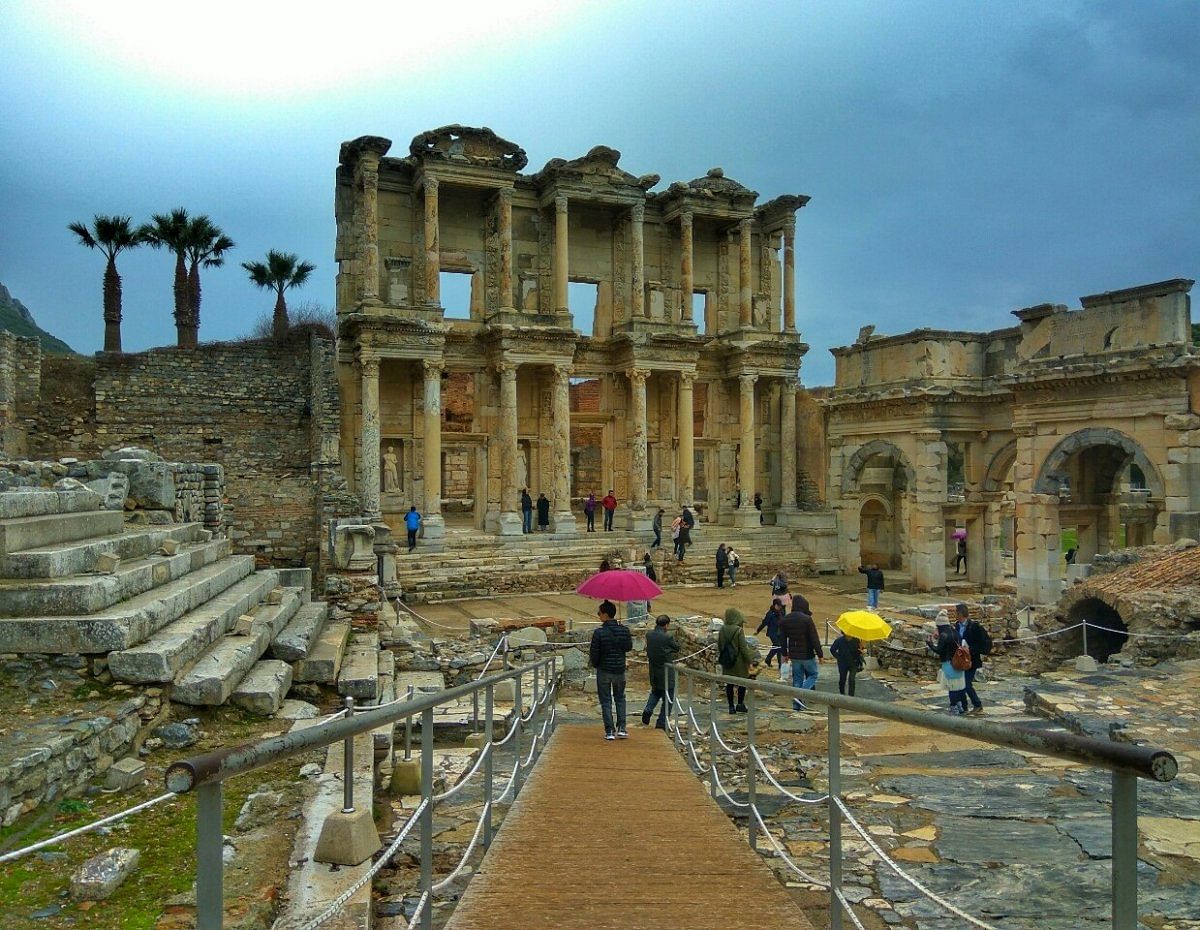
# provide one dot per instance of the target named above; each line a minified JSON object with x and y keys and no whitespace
{"x":456,"y":294}
{"x":699,"y":310}
{"x":955,"y":471}
{"x":699,"y":405}
{"x":581,"y":301}
{"x":1137,"y":478}
{"x":585,"y":395}
{"x":458,"y":401}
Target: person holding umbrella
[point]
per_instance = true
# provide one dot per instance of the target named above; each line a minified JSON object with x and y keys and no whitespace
{"x":606,"y":652}
{"x":856,"y":627}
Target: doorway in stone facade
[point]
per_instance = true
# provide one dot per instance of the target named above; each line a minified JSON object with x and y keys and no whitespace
{"x":877,"y":535}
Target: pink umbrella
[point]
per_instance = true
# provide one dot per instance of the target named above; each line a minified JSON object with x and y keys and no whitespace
{"x":619,"y":584}
{"x":959,"y":534}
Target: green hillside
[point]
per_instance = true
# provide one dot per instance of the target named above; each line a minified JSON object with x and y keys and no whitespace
{"x":16,"y":318}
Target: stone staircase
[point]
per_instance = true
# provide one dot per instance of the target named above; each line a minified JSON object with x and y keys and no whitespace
{"x":166,"y":605}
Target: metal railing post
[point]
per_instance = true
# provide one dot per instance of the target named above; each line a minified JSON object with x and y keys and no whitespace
{"x":712,"y":740}
{"x":517,"y":735}
{"x":408,"y":730}
{"x":1124,"y":851}
{"x":488,"y":708}
{"x":348,"y":764}
{"x":691,"y":686}
{"x":835,"y":818}
{"x":474,"y":711}
{"x":210,"y":838}
{"x":427,"y":817}
{"x":536,"y":678}
{"x":1085,"y":626}
{"x":752,"y":826}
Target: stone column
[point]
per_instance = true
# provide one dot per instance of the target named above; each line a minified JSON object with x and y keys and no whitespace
{"x":504,"y":231}
{"x":637,"y":298}
{"x":746,"y":515}
{"x":433,"y":245}
{"x":368,"y":172}
{"x":638,"y":518}
{"x":510,"y":491}
{"x":685,"y":466}
{"x":562,"y":518}
{"x":746,"y":302}
{"x":687,"y":284}
{"x":787,"y":453}
{"x":435,"y":525}
{"x":368,"y":463}
{"x":1038,"y":556}
{"x":561,"y":254}
{"x":789,"y":277}
{"x":927,"y":524}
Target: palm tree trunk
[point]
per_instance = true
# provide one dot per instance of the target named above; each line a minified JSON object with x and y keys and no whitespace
{"x":279,"y":322}
{"x":112,"y":307}
{"x":181,"y":296}
{"x":191,"y":334}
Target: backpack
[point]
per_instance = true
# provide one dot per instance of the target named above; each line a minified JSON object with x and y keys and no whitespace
{"x":961,"y":660}
{"x":728,"y":654}
{"x":985,"y":645}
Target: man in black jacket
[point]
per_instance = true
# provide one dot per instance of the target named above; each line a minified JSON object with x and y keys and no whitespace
{"x":979,"y":642}
{"x":874,"y":583}
{"x":802,"y":646}
{"x":610,"y":642}
{"x":661,"y":648}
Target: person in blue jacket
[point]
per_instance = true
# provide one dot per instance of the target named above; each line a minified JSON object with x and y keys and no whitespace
{"x":412,"y":523}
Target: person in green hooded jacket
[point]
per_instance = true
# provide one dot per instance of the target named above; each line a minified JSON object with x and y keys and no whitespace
{"x":732,"y":646}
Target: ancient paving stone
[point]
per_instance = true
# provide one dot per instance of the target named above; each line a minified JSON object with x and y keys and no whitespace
{"x":103,"y":874}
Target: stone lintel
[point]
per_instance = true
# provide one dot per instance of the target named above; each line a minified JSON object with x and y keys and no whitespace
{"x":1141,"y":292}
{"x":1038,"y":312}
{"x":351,"y":151}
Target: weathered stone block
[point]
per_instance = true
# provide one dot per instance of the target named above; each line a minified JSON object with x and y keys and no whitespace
{"x":101,"y":875}
{"x":125,"y":774}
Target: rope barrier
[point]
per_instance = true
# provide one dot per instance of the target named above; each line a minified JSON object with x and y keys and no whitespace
{"x":849,"y":911}
{"x":467,"y":854}
{"x":724,"y":745}
{"x":779,"y":850}
{"x":420,"y":909}
{"x":721,"y":788}
{"x":451,"y":792}
{"x":80,"y":831}
{"x":762,"y":767}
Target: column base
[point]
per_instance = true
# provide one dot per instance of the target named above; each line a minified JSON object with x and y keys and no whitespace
{"x":787,"y":516}
{"x":510,"y":523}
{"x":563,"y":523}
{"x":434,"y":526}
{"x":639,"y":521}
{"x":745,"y":517}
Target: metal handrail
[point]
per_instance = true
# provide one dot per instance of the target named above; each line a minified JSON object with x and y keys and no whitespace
{"x":1126,"y":762}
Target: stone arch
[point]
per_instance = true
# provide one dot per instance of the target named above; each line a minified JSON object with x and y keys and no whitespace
{"x":1053,"y":468}
{"x":878,"y":499}
{"x":999,"y":467}
{"x":860,"y":458}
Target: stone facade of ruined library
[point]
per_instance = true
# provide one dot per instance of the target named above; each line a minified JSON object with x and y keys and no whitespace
{"x":1084,"y":420}
{"x":683,"y":391}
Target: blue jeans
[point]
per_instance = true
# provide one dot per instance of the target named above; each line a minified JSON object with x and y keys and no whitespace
{"x":608,"y":517}
{"x":969,"y":690}
{"x":610,"y":687}
{"x":732,"y":573}
{"x":526,"y":521}
{"x":656,"y":695}
{"x":872,"y":598}
{"x":804,"y":675}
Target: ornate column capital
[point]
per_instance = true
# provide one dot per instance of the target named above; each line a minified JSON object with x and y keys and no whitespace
{"x":789,"y":229}
{"x":638,"y":376}
{"x":638,"y":212}
{"x":560,"y":203}
{"x":746,"y":225}
{"x":504,"y":195}
{"x":562,"y":375}
{"x":790,"y":383}
{"x":431,"y":187}
{"x":368,"y":366}
{"x":687,"y":378}
{"x":685,"y":219}
{"x":747,"y":380}
{"x":433,"y":367}
{"x":1024,"y":430}
{"x":928,"y":435}
{"x":506,"y":370}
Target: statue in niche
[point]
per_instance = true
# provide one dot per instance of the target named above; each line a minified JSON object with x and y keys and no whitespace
{"x":522,"y":467}
{"x":391,"y":470}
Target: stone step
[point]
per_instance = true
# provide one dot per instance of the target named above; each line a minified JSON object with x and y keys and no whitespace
{"x":22,"y":533}
{"x":77,"y":557}
{"x":263,"y":689}
{"x":359,"y":675}
{"x":38,"y":502}
{"x":129,"y":623}
{"x":87,"y":594}
{"x":215,"y":674}
{"x":161,"y":657}
{"x":324,"y":660}
{"x":296,"y":639}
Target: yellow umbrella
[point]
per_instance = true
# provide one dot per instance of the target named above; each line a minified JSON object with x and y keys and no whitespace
{"x":863,"y":625}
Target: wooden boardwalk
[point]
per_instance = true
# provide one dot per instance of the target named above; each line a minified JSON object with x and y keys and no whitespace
{"x":619,"y":836}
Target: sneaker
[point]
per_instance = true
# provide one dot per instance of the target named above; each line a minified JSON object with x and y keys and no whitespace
{"x":956,"y":711}
{"x":645,"y":718}
{"x":741,"y":709}
{"x":608,"y":734}
{"x":799,"y":705}
{"x":622,"y":734}
{"x":660,"y":725}
{"x":732,"y":709}
{"x":976,"y":710}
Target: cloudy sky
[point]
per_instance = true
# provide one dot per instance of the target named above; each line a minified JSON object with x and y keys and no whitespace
{"x":964,"y":159}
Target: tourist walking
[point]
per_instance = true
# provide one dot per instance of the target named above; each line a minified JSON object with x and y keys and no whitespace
{"x":661,"y":648}
{"x":960,"y":559}
{"x":735,"y":656}
{"x":648,"y":564}
{"x":676,"y":533}
{"x":945,"y":645}
{"x":779,"y":589}
{"x":874,"y":583}
{"x":543,"y":513}
{"x":802,"y":646}
{"x":610,"y":507}
{"x":686,"y":522}
{"x":412,"y":523}
{"x":977,"y":639}
{"x":657,"y":527}
{"x":606,"y":653}
{"x":589,"y":511}
{"x":734,"y":561}
{"x":770,"y":622}
{"x":758,"y":506}
{"x":848,"y":652}
{"x":722,"y":564}
{"x":526,"y":511}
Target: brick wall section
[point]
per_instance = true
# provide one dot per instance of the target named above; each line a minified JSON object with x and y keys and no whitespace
{"x":20,"y":375}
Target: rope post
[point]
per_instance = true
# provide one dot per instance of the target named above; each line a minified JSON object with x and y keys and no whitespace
{"x":690,"y":703}
{"x":427,"y":817}
{"x":474,"y":711}
{"x":1124,"y":851}
{"x":504,"y":655}
{"x":517,"y":733}
{"x":488,"y":713}
{"x":835,"y":818}
{"x":751,"y":826}
{"x":1085,"y":626}
{"x":210,"y":894}
{"x":348,"y":764}
{"x":536,"y":678}
{"x":712,"y":740}
{"x":408,"y":730}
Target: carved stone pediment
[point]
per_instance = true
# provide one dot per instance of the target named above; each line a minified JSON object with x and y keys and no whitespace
{"x":714,"y":184}
{"x":350,"y":151}
{"x":470,"y":146}
{"x":598,"y":166}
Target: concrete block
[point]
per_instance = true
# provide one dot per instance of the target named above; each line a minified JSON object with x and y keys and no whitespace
{"x":406,"y":777}
{"x":125,"y":773}
{"x":1086,"y":664}
{"x":101,"y":875}
{"x":348,"y":839}
{"x":475,"y":740}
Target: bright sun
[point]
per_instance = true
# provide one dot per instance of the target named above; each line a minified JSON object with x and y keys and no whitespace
{"x":256,"y":47}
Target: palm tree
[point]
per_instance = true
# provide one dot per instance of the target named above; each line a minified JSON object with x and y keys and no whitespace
{"x":281,"y":271}
{"x":169,"y":231}
{"x":206,"y":246}
{"x":111,"y":235}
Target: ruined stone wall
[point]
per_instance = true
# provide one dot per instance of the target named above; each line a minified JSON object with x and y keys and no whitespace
{"x":810,"y":452}
{"x":20,"y":375}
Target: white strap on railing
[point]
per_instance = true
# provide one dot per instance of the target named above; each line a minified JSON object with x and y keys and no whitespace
{"x":508,"y":735}
{"x":721,"y":788}
{"x":438,"y":886}
{"x":762,"y":767}
{"x":782,"y":853}
{"x":724,"y":745}
{"x":849,"y":910}
{"x":419,"y":911}
{"x":462,"y":782}
{"x":80,"y":831}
